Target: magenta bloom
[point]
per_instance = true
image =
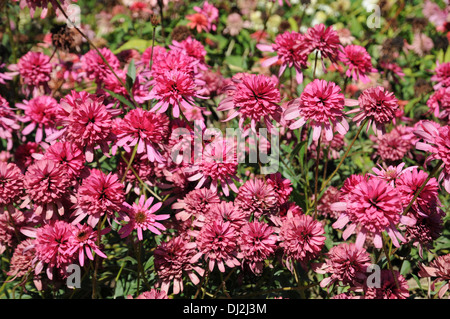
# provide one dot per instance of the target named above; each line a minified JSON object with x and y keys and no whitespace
{"x":257,"y":244}
{"x":46,"y":182}
{"x":439,"y":268}
{"x":147,"y":130}
{"x":378,"y":106}
{"x":88,"y":125}
{"x":302,"y":238}
{"x":358,"y":61}
{"x":257,"y":197}
{"x":96,"y":69}
{"x":437,"y":143}
{"x":282,"y":187}
{"x":173,"y":263}
{"x":321,"y":103}
{"x":285,"y":47}
{"x":346,"y":264}
{"x":191,"y":47}
{"x":83,"y":241}
{"x":409,"y":182}
{"x":217,"y":165}
{"x":99,"y":195}
{"x":151,"y":294}
{"x":442,"y":75}
{"x":66,"y":154}
{"x":227,"y":211}
{"x":11,"y":184}
{"x":217,"y":243}
{"x":141,"y":217}
{"x":42,"y":112}
{"x":374,"y":205}
{"x":388,"y":289}
{"x":439,"y":103}
{"x":391,"y":173}
{"x":176,"y":89}
{"x":323,"y":39}
{"x":254,"y":97}
{"x":393,"y":146}
{"x":22,"y":259}
{"x":52,"y":245}
{"x":195,"y":204}
{"x":8,"y":123}
{"x":35,"y":69}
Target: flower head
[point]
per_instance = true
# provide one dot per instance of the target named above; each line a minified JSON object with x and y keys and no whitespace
{"x":321,"y":103}
{"x":358,"y":61}
{"x":99,"y":194}
{"x":141,"y":217}
{"x":254,"y":97}
{"x":378,"y":106}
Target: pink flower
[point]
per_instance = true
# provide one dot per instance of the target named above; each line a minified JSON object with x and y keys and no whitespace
{"x":302,"y":238}
{"x":35,"y":69}
{"x":254,"y":97}
{"x":439,"y":103}
{"x":192,"y":48}
{"x":282,"y":187}
{"x":96,"y":69}
{"x":421,"y":44}
{"x":442,"y":75}
{"x":439,"y":268}
{"x":388,"y":288}
{"x":52,"y":245}
{"x":151,"y":294}
{"x":66,"y":154}
{"x":331,"y":195}
{"x":173,"y":263}
{"x":88,"y":125}
{"x":257,"y":244}
{"x":358,"y":61}
{"x":374,"y":205}
{"x":409,"y":183}
{"x":174,"y":88}
{"x":391,"y":173}
{"x":147,"y":130}
{"x":393,"y":146}
{"x":323,"y":39}
{"x":195,"y":205}
{"x":22,"y":259}
{"x":217,"y":243}
{"x":285,"y":47}
{"x":228,"y":212}
{"x":98,"y":195}
{"x":437,"y":143}
{"x":347,"y":265}
{"x":321,"y":103}
{"x":257,"y":197}
{"x":42,"y":112}
{"x":434,"y":13}
{"x":83,"y":242}
{"x":378,"y":106}
{"x":216,"y":165}
{"x":11,"y":183}
{"x":46,"y":182}
{"x":141,"y":217}
{"x":8,"y":123}
{"x":10,"y":223}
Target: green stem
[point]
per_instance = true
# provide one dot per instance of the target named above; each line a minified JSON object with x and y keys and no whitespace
{"x":388,"y":258}
{"x":316,"y":177}
{"x":133,"y":155}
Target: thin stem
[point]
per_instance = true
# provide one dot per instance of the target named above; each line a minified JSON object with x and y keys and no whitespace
{"x":388,"y":258}
{"x":416,"y":195}
{"x":345,"y":156}
{"x":133,"y":155}
{"x":316,"y":177}
{"x":97,"y":259}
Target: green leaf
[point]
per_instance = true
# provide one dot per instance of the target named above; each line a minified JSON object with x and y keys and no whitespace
{"x":121,"y":98}
{"x":132,"y":70}
{"x":406,"y":267}
{"x":137,"y":44}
